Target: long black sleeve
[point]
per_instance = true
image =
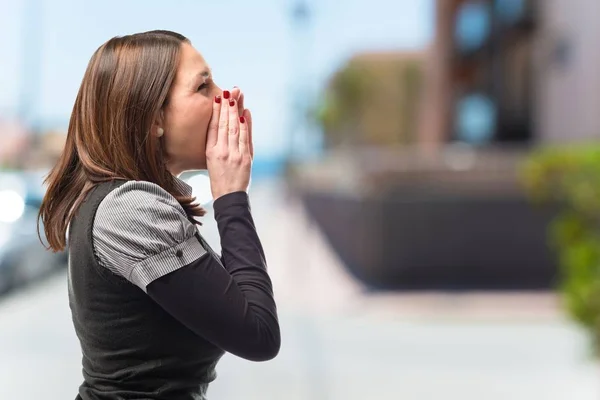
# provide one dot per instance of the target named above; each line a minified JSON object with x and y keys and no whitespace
{"x":232,"y":307}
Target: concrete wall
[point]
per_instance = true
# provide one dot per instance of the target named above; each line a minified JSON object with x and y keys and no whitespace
{"x":568,"y":70}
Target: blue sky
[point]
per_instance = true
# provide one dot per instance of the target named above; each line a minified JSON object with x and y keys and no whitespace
{"x":248,"y":43}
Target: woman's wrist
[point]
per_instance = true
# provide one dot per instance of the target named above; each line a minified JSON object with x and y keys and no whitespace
{"x":239,"y":198}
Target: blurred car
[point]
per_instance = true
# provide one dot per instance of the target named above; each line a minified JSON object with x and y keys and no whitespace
{"x":23,"y":258}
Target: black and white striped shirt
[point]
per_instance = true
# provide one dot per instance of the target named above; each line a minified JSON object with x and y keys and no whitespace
{"x":142,"y":233}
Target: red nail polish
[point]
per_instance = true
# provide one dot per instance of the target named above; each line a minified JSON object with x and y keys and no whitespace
{"x":218,"y":99}
{"x":226,"y":94}
{"x":242,"y":120}
{"x":232,"y":103}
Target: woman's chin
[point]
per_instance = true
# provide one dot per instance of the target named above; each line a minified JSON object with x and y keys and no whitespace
{"x":196,"y":165}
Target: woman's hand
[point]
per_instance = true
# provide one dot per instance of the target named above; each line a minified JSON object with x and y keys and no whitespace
{"x":238,"y":95}
{"x":229,"y":149}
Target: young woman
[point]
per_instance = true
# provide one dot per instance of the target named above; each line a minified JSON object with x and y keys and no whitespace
{"x":153,"y":306}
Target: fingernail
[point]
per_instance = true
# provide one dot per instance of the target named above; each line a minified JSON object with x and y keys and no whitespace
{"x":242,"y":120}
{"x":232,"y":102}
{"x":218,"y":99}
{"x":226,"y":94}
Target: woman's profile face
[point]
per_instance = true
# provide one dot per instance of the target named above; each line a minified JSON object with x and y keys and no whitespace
{"x":188,"y":111}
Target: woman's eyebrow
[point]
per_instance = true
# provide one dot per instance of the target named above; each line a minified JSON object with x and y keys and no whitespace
{"x":204,"y":74}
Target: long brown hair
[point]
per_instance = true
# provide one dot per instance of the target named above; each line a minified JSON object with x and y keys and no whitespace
{"x":125,"y":86}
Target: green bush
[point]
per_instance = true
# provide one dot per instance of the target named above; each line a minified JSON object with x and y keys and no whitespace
{"x":568,"y":177}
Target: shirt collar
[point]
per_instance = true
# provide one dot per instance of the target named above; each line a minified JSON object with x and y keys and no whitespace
{"x":183,"y":187}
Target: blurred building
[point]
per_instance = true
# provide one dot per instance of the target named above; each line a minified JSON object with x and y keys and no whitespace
{"x":568,"y":70}
{"x":24,"y":149}
{"x":16,"y":139}
{"x":500,"y":76}
{"x":373,"y":100}
{"x":515,"y":71}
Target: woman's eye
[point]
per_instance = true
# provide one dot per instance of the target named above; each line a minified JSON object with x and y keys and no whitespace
{"x":203,"y":86}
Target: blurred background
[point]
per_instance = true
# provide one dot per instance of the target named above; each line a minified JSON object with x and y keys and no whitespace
{"x":425,"y":186}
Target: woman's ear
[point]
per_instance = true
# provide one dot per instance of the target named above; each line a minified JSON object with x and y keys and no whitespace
{"x":158,"y":126}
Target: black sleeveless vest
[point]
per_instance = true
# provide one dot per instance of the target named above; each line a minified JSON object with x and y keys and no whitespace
{"x":132,"y":348}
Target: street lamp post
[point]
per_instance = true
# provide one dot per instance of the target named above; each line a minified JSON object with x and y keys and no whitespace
{"x":299,"y":73}
{"x":31,"y":62}
{"x":299,"y":144}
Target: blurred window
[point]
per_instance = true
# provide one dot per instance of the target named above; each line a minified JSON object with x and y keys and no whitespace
{"x":510,"y":11}
{"x":475,"y":119}
{"x":473,"y":26}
